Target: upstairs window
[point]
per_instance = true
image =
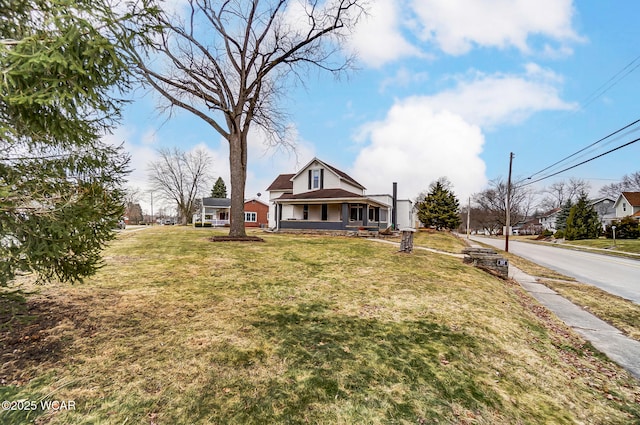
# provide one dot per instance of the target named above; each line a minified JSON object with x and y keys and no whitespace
{"x":315,"y":179}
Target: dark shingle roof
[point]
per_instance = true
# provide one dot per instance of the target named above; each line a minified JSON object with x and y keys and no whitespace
{"x":345,"y":176}
{"x":282,"y":182}
{"x":216,"y":202}
{"x":322,"y":194}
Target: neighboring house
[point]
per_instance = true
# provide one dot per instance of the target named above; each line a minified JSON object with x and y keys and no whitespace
{"x":627,"y":204}
{"x":604,"y":207}
{"x":256,"y":213}
{"x":214,"y":212}
{"x":528,"y":227}
{"x":548,"y":220}
{"x":321,"y":197}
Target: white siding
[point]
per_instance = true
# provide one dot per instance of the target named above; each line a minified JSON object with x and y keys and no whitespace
{"x":406,"y":216}
{"x":330,"y":180}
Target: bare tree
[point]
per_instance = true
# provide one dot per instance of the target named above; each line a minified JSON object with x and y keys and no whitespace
{"x":181,"y":177}
{"x":629,"y":183}
{"x":492,"y":202}
{"x":229,"y":62}
{"x":562,"y":191}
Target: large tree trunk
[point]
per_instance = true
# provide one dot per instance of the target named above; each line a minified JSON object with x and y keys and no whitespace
{"x":238,"y":167}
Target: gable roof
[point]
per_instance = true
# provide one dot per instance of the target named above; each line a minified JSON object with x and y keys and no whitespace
{"x":282,"y":182}
{"x":254,"y":200}
{"x":633,"y":198}
{"x":216,"y":202}
{"x":341,"y":174}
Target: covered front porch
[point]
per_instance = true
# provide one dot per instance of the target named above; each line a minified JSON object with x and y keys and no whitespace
{"x":212,"y":217}
{"x":345,"y":215}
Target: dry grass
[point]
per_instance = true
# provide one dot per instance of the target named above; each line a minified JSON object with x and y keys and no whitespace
{"x":440,"y":240}
{"x":178,"y":330}
{"x":617,"y":311}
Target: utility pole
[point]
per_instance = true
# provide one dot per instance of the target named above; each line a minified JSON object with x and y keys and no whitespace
{"x":468,"y":217}
{"x":508,"y":204}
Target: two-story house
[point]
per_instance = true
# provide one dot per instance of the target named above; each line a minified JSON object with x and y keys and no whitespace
{"x":627,"y":204}
{"x":321,"y":197}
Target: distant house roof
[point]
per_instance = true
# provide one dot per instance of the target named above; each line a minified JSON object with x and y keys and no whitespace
{"x":339,"y":173}
{"x":254,"y":200}
{"x":216,"y":202}
{"x":551,"y":212}
{"x":282,"y":182}
{"x":633,"y":198}
{"x":321,"y":194}
{"x":598,"y":200}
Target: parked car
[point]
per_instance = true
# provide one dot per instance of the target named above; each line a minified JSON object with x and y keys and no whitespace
{"x":121,"y":224}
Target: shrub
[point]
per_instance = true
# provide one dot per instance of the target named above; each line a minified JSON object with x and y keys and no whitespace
{"x":627,"y":228}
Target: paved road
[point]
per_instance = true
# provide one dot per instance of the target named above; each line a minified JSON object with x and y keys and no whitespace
{"x":619,"y":276}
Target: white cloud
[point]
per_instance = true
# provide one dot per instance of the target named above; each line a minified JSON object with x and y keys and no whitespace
{"x":456,"y":26}
{"x":415,"y":145}
{"x":403,"y":78}
{"x":423,"y":138}
{"x":378,"y":37}
{"x":490,"y":100}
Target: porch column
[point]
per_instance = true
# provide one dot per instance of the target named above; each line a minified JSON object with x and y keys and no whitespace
{"x":345,"y":215}
{"x":365,"y":215}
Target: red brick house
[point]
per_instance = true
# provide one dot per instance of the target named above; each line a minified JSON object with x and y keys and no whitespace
{"x":256,"y":213}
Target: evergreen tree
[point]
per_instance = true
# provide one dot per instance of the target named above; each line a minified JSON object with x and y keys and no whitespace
{"x":219,"y":189}
{"x":60,"y":186}
{"x":561,"y":221}
{"x":583,"y":221}
{"x":627,"y":228}
{"x":440,"y":207}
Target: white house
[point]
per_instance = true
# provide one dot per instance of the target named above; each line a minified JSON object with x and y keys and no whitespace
{"x":549,"y":219}
{"x":213,"y":212}
{"x":321,"y":197}
{"x":627,"y":204}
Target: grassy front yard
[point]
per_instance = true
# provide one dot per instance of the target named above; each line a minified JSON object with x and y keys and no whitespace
{"x":299,"y":329}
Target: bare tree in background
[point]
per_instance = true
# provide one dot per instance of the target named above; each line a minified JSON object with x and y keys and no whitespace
{"x":629,"y":183}
{"x":492,"y":202}
{"x":181,"y":177}
{"x":560,"y":192}
{"x":229,"y":63}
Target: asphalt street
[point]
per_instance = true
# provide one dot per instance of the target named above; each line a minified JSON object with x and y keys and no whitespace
{"x":618,"y":276}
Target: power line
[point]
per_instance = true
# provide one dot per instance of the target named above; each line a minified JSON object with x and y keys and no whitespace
{"x":581,"y":150}
{"x":604,"y":88}
{"x":583,"y":162}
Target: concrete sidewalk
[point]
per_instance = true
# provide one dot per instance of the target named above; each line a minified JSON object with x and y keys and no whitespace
{"x":604,"y":337}
{"x":607,"y":339}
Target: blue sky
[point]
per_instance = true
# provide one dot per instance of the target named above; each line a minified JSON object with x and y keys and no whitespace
{"x":445,"y":88}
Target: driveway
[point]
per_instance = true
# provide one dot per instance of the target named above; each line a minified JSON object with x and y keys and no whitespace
{"x":618,"y":276}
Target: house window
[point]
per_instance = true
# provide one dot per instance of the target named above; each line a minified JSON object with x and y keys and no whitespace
{"x":250,"y":217}
{"x":355,"y":212}
{"x":374,"y":214}
{"x":624,"y":206}
{"x":224,"y":215}
{"x":315,"y":179}
{"x":305,"y":212}
{"x":324,"y":212}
